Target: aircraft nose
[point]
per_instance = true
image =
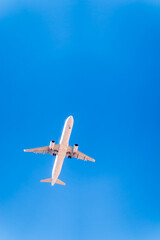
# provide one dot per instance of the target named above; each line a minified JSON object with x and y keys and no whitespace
{"x":70,"y":119}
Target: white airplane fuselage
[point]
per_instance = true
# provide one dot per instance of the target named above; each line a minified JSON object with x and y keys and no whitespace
{"x":64,"y":141}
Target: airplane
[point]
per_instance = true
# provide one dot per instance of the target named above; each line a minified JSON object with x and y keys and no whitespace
{"x":61,"y":151}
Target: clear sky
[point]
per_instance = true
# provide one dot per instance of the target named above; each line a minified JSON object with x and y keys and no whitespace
{"x":100,"y":62}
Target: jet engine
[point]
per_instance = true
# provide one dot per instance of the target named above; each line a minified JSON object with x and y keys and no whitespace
{"x":75,"y":148}
{"x":52,"y":143}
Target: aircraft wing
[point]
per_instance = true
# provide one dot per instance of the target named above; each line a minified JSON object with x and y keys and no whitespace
{"x":78,"y":155}
{"x":46,"y":149}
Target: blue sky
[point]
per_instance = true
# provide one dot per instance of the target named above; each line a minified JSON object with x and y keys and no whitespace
{"x":98,"y":61}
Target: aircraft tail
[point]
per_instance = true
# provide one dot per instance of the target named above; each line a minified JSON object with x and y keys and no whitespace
{"x":49,"y":180}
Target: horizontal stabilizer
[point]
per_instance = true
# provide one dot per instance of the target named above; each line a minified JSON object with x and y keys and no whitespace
{"x":47,"y":180}
{"x":60,"y":182}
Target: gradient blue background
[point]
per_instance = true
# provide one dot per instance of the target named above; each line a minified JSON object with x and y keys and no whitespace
{"x":100,"y":62}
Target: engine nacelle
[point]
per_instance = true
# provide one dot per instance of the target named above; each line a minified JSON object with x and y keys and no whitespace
{"x":75,"y":148}
{"x":52,"y":143}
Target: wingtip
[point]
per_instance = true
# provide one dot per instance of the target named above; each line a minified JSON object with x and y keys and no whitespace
{"x":26,"y":150}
